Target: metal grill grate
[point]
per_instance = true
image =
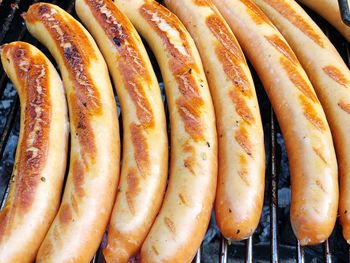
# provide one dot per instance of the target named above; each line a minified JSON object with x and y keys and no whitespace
{"x":14,"y":29}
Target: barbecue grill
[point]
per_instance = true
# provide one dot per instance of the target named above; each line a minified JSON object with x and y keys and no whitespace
{"x":274,"y":240}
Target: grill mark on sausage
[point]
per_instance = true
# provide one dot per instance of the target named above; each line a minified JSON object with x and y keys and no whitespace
{"x":311,"y":114}
{"x":182,"y":64}
{"x":334,"y":73}
{"x":344,"y":106}
{"x":170,"y":224}
{"x":188,"y":163}
{"x":65,"y":214}
{"x":221,"y":31}
{"x":320,"y":185}
{"x":255,"y":13}
{"x":132,"y":189}
{"x":241,"y":136}
{"x":281,"y":46}
{"x":77,"y":53}
{"x":297,"y":20}
{"x":131,"y":64}
{"x":6,"y":216}
{"x":155,"y":250}
{"x":183,"y":199}
{"x":319,"y":154}
{"x":297,"y":79}
{"x":78,"y":177}
{"x":141,"y":149}
{"x":243,"y":175}
{"x":242,"y":108}
{"x":234,"y":71}
{"x":190,"y":114}
{"x":202,"y":3}
{"x":33,"y":75}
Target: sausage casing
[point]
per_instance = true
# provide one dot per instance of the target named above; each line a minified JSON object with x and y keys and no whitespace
{"x":183,"y":219}
{"x":241,"y":178}
{"x":331,"y":79}
{"x":37,"y":178}
{"x":145,"y":148}
{"x":95,"y":151}
{"x":311,"y":154}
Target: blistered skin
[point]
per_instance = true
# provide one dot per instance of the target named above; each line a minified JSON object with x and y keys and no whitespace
{"x":145,"y":148}
{"x":331,"y":79}
{"x":240,"y":191}
{"x":37,"y":178}
{"x":94,"y":161}
{"x":329,"y":9}
{"x":310,"y":149}
{"x":183,"y":219}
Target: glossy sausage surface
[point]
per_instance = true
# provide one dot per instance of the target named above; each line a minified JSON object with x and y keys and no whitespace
{"x":37,"y":178}
{"x":241,"y":180}
{"x":311,"y":155}
{"x":329,"y":9}
{"x":145,"y":148}
{"x":93,"y":175}
{"x":183,"y":219}
{"x":331,"y":79}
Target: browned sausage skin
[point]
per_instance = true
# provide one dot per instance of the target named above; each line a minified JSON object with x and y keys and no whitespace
{"x":94,"y":163}
{"x":330,"y":77}
{"x":37,"y":178}
{"x":304,"y":126}
{"x":183,"y":219}
{"x":145,"y":148}
{"x":329,"y":9}
{"x":240,"y":191}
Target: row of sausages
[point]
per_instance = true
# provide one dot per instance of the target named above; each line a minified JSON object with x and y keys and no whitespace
{"x":217,"y":153}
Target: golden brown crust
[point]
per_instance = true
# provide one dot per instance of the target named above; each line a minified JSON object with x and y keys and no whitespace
{"x":90,"y":189}
{"x":144,"y":167}
{"x":193,"y":157}
{"x":36,"y":182}
{"x":336,"y":74}
{"x":289,"y":13}
{"x":300,"y":115}
{"x":86,"y":100}
{"x":32,"y":73}
{"x":255,"y":13}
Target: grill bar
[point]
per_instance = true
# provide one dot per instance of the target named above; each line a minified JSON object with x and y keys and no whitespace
{"x":274,"y":193}
{"x":344,"y":11}
{"x":249,"y":250}
{"x":223,"y":250}
{"x":300,"y":253}
{"x":326,"y":252}
{"x":6,"y":25}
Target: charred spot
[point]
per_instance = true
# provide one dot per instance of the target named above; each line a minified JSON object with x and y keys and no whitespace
{"x":346,"y":211}
{"x":81,"y":125}
{"x":208,"y":144}
{"x":229,"y":210}
{"x":238,"y":231}
{"x":43,"y":9}
{"x":116,"y":41}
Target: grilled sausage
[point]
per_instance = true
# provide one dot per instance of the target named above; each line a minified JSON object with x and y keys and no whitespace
{"x":310,"y":149}
{"x":94,"y":161}
{"x":329,"y":9}
{"x":37,"y":178}
{"x":183,"y":219}
{"x":240,"y":192}
{"x":330,"y":77}
{"x":145,"y":149}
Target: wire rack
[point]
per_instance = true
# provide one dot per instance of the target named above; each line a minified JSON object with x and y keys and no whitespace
{"x":13,"y":29}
